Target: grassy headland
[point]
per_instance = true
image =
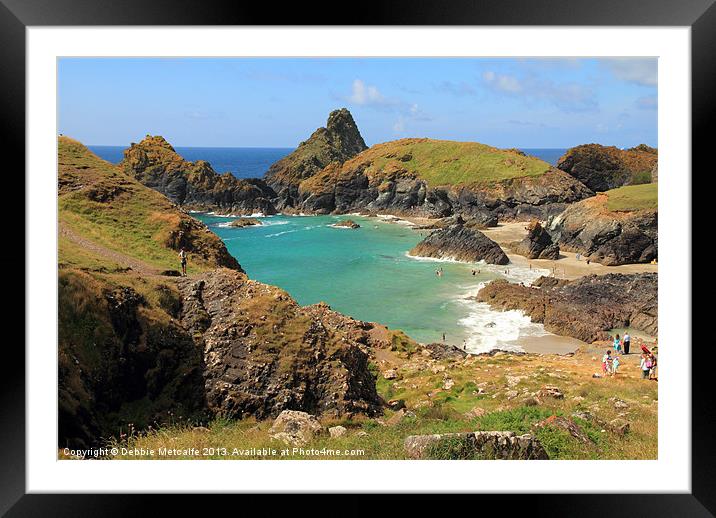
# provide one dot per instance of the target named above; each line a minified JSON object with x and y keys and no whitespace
{"x":444,"y":162}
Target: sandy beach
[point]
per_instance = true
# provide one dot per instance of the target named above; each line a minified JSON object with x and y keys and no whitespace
{"x":567,"y":266}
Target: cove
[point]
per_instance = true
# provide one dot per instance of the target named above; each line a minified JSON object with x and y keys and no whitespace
{"x":365,"y":273}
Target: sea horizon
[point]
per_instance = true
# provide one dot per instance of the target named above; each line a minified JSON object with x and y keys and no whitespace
{"x":254,"y":162}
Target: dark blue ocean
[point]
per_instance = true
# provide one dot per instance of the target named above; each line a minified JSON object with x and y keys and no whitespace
{"x":243,"y":162}
{"x":253,"y":162}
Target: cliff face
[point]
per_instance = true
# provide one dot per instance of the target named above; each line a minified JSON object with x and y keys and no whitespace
{"x":607,"y":236}
{"x":462,"y":244}
{"x":194,"y":185}
{"x":585,"y":308}
{"x":606,"y":167}
{"x":422,"y":177}
{"x":337,"y":142}
{"x":264,"y":353}
{"x":139,"y":347}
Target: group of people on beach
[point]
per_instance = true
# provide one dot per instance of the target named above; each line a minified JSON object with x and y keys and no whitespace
{"x":610,"y":362}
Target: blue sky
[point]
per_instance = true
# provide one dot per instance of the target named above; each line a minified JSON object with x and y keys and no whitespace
{"x":277,"y":102}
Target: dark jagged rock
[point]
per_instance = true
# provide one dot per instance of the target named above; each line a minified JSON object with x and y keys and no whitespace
{"x":462,"y":244}
{"x":264,"y":353}
{"x":194,"y":185}
{"x":586,"y":308}
{"x":337,"y":142}
{"x":537,"y":244}
{"x":602,"y":168}
{"x":605,"y":236}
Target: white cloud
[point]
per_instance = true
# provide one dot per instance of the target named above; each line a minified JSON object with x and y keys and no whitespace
{"x":364,"y":94}
{"x":399,"y":126}
{"x":570,"y":97}
{"x":641,"y":71}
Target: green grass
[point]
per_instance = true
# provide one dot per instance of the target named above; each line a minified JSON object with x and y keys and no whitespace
{"x":438,"y":162}
{"x":100,"y":203}
{"x":633,"y":197}
{"x":443,"y":162}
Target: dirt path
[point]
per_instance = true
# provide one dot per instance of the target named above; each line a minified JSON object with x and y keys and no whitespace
{"x":104,"y":252}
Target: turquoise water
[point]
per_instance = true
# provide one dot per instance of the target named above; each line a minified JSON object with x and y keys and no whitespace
{"x":366,"y":274}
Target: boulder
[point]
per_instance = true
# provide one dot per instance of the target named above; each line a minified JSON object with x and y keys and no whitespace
{"x":537,"y":244}
{"x":487,"y":445}
{"x":390,"y":374}
{"x":337,"y":431}
{"x":346,"y":223}
{"x":245,"y":222}
{"x":295,"y":428}
{"x":462,"y":244}
{"x":550,"y":391}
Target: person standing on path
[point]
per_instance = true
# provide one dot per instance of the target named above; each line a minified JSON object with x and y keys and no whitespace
{"x":627,"y":342}
{"x":617,"y":344}
{"x":645,"y":364}
{"x":182,"y":258}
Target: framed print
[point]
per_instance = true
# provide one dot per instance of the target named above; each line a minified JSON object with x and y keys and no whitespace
{"x":415,"y":255}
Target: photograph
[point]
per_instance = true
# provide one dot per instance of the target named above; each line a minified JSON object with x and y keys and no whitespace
{"x":358,"y":258}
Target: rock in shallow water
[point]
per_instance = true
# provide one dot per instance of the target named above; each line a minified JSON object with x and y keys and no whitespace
{"x":462,"y":244}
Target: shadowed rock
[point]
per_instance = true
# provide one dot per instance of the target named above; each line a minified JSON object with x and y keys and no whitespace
{"x":462,"y":244}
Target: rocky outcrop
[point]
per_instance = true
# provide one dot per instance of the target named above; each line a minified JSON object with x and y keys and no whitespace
{"x":337,"y":142}
{"x":346,"y":223}
{"x":387,"y":178}
{"x":606,"y":236}
{"x":606,"y":167}
{"x":264,"y":353}
{"x":245,"y":222}
{"x":194,"y":185}
{"x":475,"y":445}
{"x":585,"y":308}
{"x":537,"y":244}
{"x":461,"y":244}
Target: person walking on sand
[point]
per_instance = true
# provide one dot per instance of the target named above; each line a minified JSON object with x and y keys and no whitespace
{"x":464,"y":345}
{"x":182,"y":258}
{"x":617,"y":344}
{"x":443,"y":337}
{"x":627,"y":342}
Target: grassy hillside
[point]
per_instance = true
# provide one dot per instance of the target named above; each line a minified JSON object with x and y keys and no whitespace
{"x":106,"y":216}
{"x":484,"y":393}
{"x":633,"y":197}
{"x":444,"y":162}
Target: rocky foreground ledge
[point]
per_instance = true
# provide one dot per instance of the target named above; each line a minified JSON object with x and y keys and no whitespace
{"x":585,"y":308}
{"x":460,"y":243}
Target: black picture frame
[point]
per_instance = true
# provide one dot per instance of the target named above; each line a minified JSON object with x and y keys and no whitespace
{"x":16,"y":15}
